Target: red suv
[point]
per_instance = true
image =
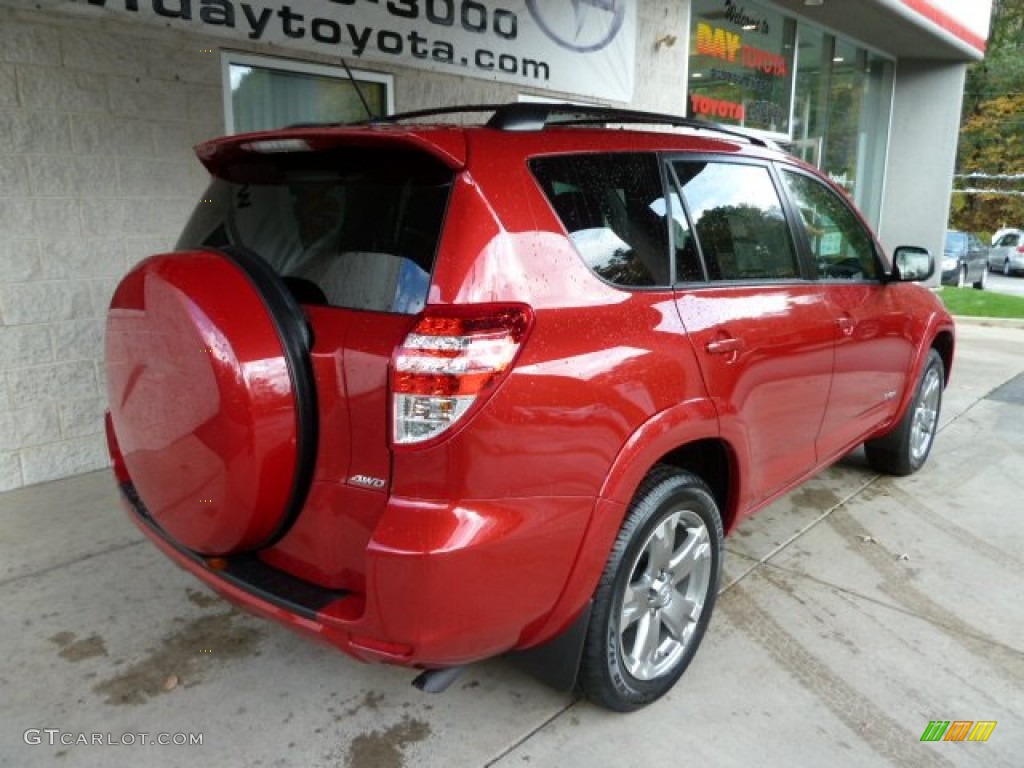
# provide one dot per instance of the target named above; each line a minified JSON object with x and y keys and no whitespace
{"x":434,"y":393}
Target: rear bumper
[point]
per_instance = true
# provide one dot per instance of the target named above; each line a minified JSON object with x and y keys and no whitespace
{"x":445,"y":585}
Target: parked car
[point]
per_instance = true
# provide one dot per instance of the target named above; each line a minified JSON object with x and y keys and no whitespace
{"x":1000,"y":232}
{"x":436,"y":393}
{"x":964,"y":260}
{"x":1007,"y":255}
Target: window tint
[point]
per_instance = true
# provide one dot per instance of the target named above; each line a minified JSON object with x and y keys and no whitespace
{"x":738,"y":219}
{"x":840,"y":244}
{"x":354,"y":228}
{"x":609,"y":205}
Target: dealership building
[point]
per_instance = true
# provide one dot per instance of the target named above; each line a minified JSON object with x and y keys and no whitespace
{"x":101,"y":102}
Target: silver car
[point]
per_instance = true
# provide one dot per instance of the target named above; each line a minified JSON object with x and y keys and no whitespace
{"x":1007,"y":255}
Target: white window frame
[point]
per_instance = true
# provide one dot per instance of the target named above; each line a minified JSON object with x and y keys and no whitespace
{"x":227,"y":58}
{"x":532,"y":98}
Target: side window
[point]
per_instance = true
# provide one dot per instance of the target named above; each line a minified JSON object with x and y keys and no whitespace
{"x":840,"y":244}
{"x":738,"y":219}
{"x":613,"y":208}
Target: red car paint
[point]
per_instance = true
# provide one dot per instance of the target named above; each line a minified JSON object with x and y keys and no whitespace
{"x":492,"y":536}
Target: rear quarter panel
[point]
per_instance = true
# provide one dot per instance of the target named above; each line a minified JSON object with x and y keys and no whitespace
{"x":599,"y":362}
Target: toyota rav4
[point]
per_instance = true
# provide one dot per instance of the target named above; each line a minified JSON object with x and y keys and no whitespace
{"x":434,"y":392}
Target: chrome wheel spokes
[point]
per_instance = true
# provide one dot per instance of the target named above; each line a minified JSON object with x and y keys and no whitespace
{"x":665,"y":595}
{"x":926,"y":415}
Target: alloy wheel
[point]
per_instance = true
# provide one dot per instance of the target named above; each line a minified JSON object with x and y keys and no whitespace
{"x":665,"y":595}
{"x":926,"y":415}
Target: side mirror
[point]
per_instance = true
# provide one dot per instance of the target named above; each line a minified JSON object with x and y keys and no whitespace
{"x":912,"y":264}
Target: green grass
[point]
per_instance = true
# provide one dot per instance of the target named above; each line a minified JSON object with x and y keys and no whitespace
{"x":972,"y":303}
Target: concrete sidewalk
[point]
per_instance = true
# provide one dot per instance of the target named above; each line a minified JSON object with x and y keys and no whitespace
{"x":856,"y":610}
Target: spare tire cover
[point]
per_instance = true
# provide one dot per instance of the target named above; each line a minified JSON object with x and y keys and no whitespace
{"x":207,"y":366}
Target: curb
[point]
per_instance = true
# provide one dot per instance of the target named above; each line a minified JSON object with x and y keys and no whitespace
{"x":991,"y":322}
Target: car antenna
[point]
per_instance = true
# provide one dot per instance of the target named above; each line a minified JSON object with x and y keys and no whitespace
{"x":359,"y":91}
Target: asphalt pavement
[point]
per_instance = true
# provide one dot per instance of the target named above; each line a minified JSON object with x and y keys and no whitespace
{"x":856,"y":611}
{"x":999,"y":283}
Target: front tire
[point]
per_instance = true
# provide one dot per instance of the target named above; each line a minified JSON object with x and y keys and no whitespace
{"x":905,"y":449}
{"x":656,"y":595}
{"x":961,"y":277}
{"x":979,"y":284}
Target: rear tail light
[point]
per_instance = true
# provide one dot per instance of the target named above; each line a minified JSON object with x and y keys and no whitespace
{"x":1020,"y":249}
{"x":447,"y":361}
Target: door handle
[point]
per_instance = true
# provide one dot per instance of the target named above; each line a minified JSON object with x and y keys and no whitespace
{"x":724,"y":346}
{"x":846,"y":325}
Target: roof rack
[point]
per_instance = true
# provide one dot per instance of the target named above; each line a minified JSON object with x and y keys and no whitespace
{"x":532,"y":116}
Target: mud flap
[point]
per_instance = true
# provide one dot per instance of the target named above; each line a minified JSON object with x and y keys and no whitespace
{"x":556,"y":663}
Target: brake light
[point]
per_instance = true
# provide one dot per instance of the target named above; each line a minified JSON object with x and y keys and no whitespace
{"x":448,"y":360}
{"x":1020,"y":249}
{"x":277,"y":145}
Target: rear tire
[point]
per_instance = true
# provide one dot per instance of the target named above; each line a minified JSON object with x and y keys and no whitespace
{"x":656,"y":595}
{"x":1006,"y":268}
{"x":979,"y":284}
{"x":905,"y":449}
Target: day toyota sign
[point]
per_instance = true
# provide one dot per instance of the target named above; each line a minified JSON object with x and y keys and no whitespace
{"x":582,"y":47}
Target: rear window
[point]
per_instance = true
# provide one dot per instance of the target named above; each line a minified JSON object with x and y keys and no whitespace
{"x":354,"y":227}
{"x":956,"y":242}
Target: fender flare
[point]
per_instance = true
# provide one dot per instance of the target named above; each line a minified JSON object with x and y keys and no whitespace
{"x":935,"y":326}
{"x":683,"y":423}
{"x":667,"y":430}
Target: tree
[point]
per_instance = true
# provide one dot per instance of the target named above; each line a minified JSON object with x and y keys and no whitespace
{"x":990,"y":158}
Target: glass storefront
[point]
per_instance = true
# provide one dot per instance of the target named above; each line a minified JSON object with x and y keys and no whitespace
{"x":842,"y":103}
{"x":741,"y":65}
{"x":824,"y":98}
